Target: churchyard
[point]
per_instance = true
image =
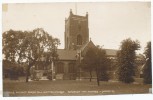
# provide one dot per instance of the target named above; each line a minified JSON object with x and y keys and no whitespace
{"x":71,"y":88}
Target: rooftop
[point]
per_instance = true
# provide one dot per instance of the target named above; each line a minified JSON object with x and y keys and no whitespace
{"x":71,"y":54}
{"x":111,"y":52}
{"x":66,"y":54}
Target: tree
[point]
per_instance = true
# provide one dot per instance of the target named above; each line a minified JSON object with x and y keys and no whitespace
{"x":103,"y":63}
{"x":96,"y":60}
{"x":126,"y":60}
{"x":29,"y":46}
{"x":11,"y":41}
{"x":147,"y":76}
{"x":11,"y":44}
{"x":88,"y":62}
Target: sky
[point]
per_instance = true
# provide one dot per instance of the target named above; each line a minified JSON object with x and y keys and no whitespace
{"x":109,"y":22}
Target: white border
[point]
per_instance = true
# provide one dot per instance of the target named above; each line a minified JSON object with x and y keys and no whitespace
{"x":106,"y":97}
{"x":42,"y":1}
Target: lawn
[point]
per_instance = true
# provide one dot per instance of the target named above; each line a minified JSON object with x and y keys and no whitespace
{"x":70,"y":87}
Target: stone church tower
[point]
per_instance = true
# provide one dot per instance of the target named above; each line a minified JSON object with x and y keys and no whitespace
{"x":76,"y":31}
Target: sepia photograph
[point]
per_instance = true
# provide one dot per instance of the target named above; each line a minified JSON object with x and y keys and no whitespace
{"x":76,"y":49}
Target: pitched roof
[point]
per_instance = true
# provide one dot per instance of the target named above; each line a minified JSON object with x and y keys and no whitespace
{"x":71,"y":54}
{"x":111,"y":52}
{"x":66,"y":54}
{"x":88,"y":44}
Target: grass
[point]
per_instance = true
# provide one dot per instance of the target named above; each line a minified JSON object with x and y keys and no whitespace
{"x":70,"y":87}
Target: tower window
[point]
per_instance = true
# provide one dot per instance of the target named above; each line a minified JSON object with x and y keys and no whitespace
{"x":79,"y":40}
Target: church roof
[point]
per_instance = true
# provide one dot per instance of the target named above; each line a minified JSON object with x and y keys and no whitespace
{"x":66,"y":54}
{"x":111,"y":52}
{"x":88,"y":44}
{"x":71,"y":54}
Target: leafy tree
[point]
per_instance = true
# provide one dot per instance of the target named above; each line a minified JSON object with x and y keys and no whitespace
{"x":11,"y":41}
{"x":103,"y":64}
{"x":30,"y":46}
{"x":88,"y":62}
{"x":126,"y":60}
{"x":96,"y":60}
{"x":11,"y":44}
{"x":147,"y":68}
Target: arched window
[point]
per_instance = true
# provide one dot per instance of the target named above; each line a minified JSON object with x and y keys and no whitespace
{"x":79,"y":40}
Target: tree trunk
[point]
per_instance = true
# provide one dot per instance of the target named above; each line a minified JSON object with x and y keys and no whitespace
{"x":90,"y":75}
{"x":97,"y":73}
{"x":28,"y":71}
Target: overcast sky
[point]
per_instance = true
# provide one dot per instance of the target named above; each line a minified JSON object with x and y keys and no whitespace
{"x":109,"y":23}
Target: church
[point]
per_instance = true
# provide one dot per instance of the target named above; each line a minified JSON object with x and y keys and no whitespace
{"x":77,"y":43}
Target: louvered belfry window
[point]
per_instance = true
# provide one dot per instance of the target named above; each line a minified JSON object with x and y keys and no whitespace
{"x":79,"y":40}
